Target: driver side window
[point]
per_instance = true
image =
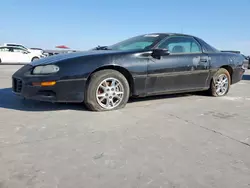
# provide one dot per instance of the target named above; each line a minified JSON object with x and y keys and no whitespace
{"x":181,"y":45}
{"x":18,"y":50}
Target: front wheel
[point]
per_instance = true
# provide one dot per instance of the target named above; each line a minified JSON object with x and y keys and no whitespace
{"x":220,"y":84}
{"x":34,"y":58}
{"x":107,"y":90}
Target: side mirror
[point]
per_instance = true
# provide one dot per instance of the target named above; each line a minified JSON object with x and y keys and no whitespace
{"x":25,"y":52}
{"x":160,"y":52}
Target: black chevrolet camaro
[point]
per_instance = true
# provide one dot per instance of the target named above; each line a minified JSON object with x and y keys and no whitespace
{"x":105,"y":77}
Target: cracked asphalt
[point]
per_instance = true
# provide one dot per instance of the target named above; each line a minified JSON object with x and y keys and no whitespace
{"x":188,"y":140}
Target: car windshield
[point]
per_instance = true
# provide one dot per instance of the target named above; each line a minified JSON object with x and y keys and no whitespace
{"x":137,"y":43}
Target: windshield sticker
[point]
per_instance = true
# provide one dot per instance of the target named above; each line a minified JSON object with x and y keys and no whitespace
{"x":151,"y":35}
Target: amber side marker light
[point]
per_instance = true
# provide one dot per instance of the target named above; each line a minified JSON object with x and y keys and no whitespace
{"x":50,"y":83}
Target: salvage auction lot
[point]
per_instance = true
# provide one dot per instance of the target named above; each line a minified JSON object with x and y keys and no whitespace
{"x":189,"y":140}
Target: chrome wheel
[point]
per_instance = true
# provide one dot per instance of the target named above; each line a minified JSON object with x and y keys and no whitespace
{"x":221,"y":84}
{"x":109,"y":93}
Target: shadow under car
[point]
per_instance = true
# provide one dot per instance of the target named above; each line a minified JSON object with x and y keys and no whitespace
{"x":9,"y":101}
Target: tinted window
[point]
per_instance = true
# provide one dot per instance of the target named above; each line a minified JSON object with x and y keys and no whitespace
{"x":181,"y":45}
{"x":17,"y":49}
{"x":16,"y":45}
{"x":206,"y":47}
{"x":12,"y":45}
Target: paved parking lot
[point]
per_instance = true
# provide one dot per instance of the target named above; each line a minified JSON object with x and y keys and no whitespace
{"x":187,"y":140}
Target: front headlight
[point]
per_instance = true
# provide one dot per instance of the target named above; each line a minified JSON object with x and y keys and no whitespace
{"x":47,"y":69}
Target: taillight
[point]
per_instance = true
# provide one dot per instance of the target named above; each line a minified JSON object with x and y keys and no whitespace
{"x":245,"y":65}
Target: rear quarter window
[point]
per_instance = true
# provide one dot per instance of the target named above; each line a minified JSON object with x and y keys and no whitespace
{"x":207,"y":48}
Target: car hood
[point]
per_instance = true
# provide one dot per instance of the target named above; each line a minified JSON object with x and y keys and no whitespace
{"x":35,"y":51}
{"x":61,"y":57}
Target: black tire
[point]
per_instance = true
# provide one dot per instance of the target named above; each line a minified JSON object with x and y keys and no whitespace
{"x":0,"y":61}
{"x":212,"y":90}
{"x":34,"y":58}
{"x":93,"y":84}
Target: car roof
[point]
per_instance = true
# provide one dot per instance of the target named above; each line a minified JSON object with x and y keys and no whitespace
{"x":5,"y":46}
{"x":11,"y":47}
{"x":11,"y":43}
{"x":169,"y":34}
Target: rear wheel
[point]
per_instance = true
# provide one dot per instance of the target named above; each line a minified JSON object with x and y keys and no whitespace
{"x":220,"y":84}
{"x":107,"y":90}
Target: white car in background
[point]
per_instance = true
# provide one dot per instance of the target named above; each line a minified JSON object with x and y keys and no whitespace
{"x":12,"y":54}
{"x":32,"y":50}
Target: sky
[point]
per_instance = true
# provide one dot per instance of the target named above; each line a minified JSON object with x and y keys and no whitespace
{"x":81,"y":24}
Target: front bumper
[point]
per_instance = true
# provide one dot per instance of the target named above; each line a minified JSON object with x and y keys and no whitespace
{"x":65,"y":90}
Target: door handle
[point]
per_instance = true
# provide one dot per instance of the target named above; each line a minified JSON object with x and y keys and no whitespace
{"x":203,"y":60}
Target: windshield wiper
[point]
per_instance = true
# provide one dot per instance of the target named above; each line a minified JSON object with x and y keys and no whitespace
{"x":102,"y":48}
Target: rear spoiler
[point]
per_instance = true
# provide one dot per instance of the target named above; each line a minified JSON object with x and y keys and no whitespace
{"x":231,"y":51}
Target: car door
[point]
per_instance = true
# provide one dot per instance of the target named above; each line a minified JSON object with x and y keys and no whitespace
{"x":5,"y":55}
{"x":185,"y":68}
{"x":20,"y":55}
